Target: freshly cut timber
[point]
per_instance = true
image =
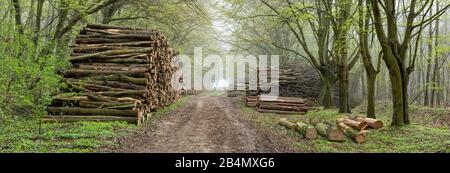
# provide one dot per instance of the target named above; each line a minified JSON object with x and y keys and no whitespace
{"x":308,"y":131}
{"x":352,"y":123}
{"x":76,"y":118}
{"x":118,"y":73}
{"x":330,"y":132}
{"x":373,"y":123}
{"x":84,"y":73}
{"x":251,"y":101}
{"x":279,"y":105}
{"x":109,"y":54}
{"x":355,"y":135}
{"x":88,"y":111}
{"x":280,"y":112}
{"x":289,"y":125}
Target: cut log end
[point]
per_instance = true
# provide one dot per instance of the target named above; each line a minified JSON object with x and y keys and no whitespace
{"x":311,"y":133}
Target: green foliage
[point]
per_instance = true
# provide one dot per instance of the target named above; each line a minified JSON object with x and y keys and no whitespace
{"x":28,"y":80}
{"x":25,"y":135}
{"x":172,"y":107}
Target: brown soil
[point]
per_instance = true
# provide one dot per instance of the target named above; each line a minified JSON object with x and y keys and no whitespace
{"x":205,"y":124}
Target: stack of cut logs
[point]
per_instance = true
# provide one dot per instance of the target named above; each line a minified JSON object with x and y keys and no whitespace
{"x":279,"y":105}
{"x":118,"y":74}
{"x":354,"y":128}
{"x":251,"y":101}
{"x":293,"y":82}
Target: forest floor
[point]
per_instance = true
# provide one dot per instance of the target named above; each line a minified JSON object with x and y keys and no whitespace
{"x":215,"y":123}
{"x":205,"y":124}
{"x":28,"y":135}
{"x":428,"y":133}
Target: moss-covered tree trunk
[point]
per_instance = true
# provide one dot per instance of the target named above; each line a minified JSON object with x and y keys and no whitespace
{"x":327,"y":91}
{"x":371,"y":79}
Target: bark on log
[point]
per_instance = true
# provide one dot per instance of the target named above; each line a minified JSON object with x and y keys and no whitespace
{"x":331,"y":133}
{"x":89,"y":111}
{"x":283,"y":108}
{"x":120,"y":36}
{"x":106,"y":105}
{"x":314,"y":121}
{"x":355,"y":135}
{"x":95,"y":67}
{"x":280,"y":112}
{"x":83,"y":73}
{"x":103,"y":26}
{"x":114,"y":31}
{"x":355,"y":124}
{"x":112,"y":84}
{"x":283,"y":104}
{"x":122,"y":78}
{"x":111,"y":52}
{"x":289,"y":125}
{"x":102,"y":40}
{"x":127,"y":93}
{"x":122,"y":61}
{"x":123,"y":44}
{"x":91,"y":49}
{"x":282,"y":100}
{"x":77,"y":118}
{"x":308,"y":131}
{"x":373,"y":123}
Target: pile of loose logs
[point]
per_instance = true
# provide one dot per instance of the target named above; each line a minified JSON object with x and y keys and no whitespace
{"x":118,"y":74}
{"x":336,"y":131}
{"x":279,"y":105}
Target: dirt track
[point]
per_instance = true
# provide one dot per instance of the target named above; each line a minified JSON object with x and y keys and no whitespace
{"x":205,"y":124}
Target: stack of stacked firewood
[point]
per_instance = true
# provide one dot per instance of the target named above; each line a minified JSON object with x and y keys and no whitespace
{"x":118,"y":74}
{"x":279,"y":105}
{"x":354,"y":128}
{"x":293,"y":82}
{"x":251,"y":101}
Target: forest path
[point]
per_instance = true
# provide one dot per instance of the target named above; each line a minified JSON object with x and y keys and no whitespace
{"x":205,"y":124}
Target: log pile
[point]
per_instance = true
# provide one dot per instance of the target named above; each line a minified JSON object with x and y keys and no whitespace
{"x":295,"y":81}
{"x":279,"y":105}
{"x":251,"y":101}
{"x":306,"y":130}
{"x":353,"y":128}
{"x":118,"y":74}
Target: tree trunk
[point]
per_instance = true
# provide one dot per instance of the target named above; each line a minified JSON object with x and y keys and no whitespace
{"x":18,"y":16}
{"x":109,"y":12}
{"x":426,"y":101}
{"x":327,"y":92}
{"x":37,"y":28}
{"x":343,"y":91}
{"x":399,"y":88}
{"x":371,"y":80}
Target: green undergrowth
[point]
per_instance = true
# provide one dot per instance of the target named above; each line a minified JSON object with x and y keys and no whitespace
{"x":31,"y":136}
{"x":428,"y":133}
{"x":28,"y":135}
{"x":162,"y":112}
